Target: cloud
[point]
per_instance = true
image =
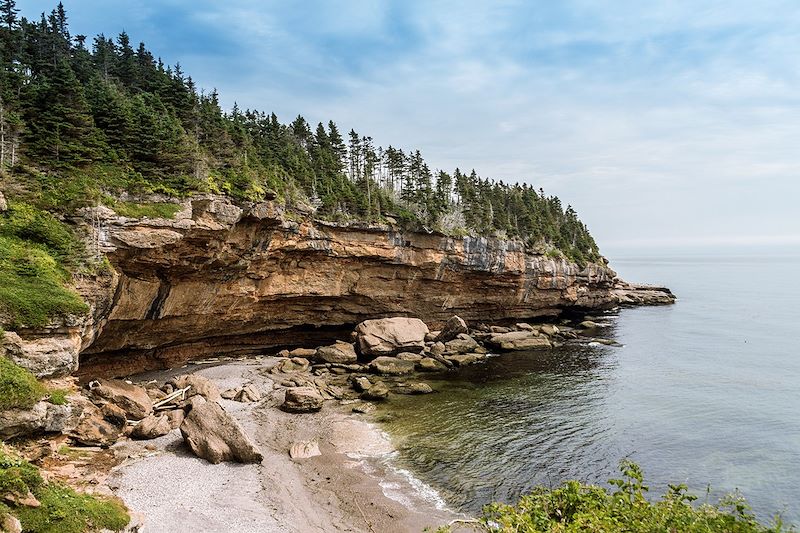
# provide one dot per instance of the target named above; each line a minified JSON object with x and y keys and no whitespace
{"x":660,"y":121}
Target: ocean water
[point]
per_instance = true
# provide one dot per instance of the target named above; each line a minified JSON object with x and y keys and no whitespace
{"x":704,"y":392}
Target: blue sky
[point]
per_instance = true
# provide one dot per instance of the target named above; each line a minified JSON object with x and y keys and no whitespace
{"x":663,"y":123}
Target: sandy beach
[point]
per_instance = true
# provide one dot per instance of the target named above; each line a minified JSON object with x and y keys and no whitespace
{"x":351,"y":486}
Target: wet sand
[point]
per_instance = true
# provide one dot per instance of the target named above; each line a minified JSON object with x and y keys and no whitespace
{"x":352,"y":486}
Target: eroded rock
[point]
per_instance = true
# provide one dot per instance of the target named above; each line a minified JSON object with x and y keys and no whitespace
{"x":216,"y":436}
{"x":152,"y":427}
{"x":302,"y":400}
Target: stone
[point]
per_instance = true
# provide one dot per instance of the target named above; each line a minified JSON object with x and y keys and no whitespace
{"x":452,"y":328}
{"x":175,"y":417}
{"x":9,"y":523}
{"x":429,"y":364}
{"x":248,"y":394}
{"x":42,"y":417}
{"x":230,"y":394}
{"x":431,"y":336}
{"x":378,"y":391}
{"x":387,"y":336}
{"x":93,"y":429}
{"x":462,"y":359}
{"x":199,"y":385}
{"x":305,"y":353}
{"x":340,"y":352}
{"x":155,"y":393}
{"x":523,"y":326}
{"x":152,"y":427}
{"x":114,"y":414}
{"x":438,"y":348}
{"x":461,"y":344}
{"x":549,"y":330}
{"x":588,"y":324}
{"x":361,"y":383}
{"x":133,"y":399}
{"x":49,"y":356}
{"x":304,"y":450}
{"x":499,"y":329}
{"x":302,"y":400}
{"x":518,"y":340}
{"x":408,"y":356}
{"x":294,"y":364}
{"x":391,"y":366}
{"x":414,"y":388}
{"x":364,"y":407}
{"x":213,"y":434}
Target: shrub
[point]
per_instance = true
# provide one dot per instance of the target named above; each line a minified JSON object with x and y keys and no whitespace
{"x":18,"y":387}
{"x":575,"y":507}
{"x":57,"y":396}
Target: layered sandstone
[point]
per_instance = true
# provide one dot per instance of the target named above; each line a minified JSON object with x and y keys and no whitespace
{"x":228,"y":278}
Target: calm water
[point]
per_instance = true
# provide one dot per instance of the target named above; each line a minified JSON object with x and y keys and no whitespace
{"x":705,"y":391}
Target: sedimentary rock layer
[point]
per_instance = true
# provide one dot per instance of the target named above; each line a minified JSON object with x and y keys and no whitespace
{"x":242,"y":278}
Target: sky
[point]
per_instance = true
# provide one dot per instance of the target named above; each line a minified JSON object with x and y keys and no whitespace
{"x":673,"y":123}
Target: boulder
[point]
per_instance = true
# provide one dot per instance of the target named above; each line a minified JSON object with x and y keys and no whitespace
{"x":340,"y":352}
{"x":523,"y":326}
{"x":518,"y":340}
{"x":549,"y":329}
{"x":408,"y":356}
{"x":304,"y":450}
{"x":114,"y":414}
{"x":214,"y":435}
{"x":378,"y":391}
{"x":175,"y":417}
{"x":438,"y":348}
{"x":152,"y":427}
{"x":198,"y":386}
{"x":429,"y":364}
{"x":452,"y":328}
{"x":93,"y":429}
{"x":391,"y":366}
{"x":42,"y":417}
{"x":302,"y":400}
{"x":230,"y":394}
{"x":431,"y":336}
{"x":306,"y":353}
{"x":387,"y":336}
{"x":462,"y":359}
{"x":364,"y":407}
{"x":46,"y":357}
{"x":588,"y":324}
{"x":248,"y":394}
{"x":461,"y":344}
{"x":414,"y":388}
{"x":295,"y":364}
{"x":361,"y":383}
{"x":131,"y":398}
{"x":499,"y":329}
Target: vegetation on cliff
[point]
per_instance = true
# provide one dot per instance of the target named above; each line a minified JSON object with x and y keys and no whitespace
{"x":575,"y":507}
{"x":80,"y":120}
{"x":18,"y":387}
{"x":61,"y":509}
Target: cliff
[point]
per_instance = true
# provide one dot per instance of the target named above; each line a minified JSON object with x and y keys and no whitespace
{"x":228,"y":278}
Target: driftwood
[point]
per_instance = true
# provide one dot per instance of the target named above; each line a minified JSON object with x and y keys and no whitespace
{"x":164,"y":403}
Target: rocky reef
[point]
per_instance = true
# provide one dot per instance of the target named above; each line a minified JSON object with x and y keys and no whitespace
{"x":241,"y":278}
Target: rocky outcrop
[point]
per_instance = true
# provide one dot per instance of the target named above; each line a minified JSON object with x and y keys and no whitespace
{"x":47,"y":353}
{"x":242,"y":278}
{"x":42,"y":417}
{"x":639,"y":294}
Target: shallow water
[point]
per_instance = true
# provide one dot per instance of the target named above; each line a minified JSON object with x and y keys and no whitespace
{"x":705,"y":391}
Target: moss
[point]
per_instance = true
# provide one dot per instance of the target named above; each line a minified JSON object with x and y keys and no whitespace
{"x":57,"y":396}
{"x":149,"y":210}
{"x":62,"y":510}
{"x":32,"y":285}
{"x":65,"y":511}
{"x":18,"y":387}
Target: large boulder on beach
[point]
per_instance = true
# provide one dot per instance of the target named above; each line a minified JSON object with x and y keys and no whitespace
{"x":463,"y":343}
{"x":391,"y":366}
{"x":388,"y":336}
{"x":518,"y":340}
{"x":340,"y":352}
{"x":133,"y":399}
{"x":452,"y":328}
{"x":216,"y":436}
{"x":152,"y":427}
{"x":302,"y":400}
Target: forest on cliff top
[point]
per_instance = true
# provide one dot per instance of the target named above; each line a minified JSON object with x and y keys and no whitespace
{"x":82,"y":120}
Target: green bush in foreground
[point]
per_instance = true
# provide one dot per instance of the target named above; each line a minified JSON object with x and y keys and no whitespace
{"x":62,"y":510}
{"x":18,"y":387}
{"x":575,"y":507}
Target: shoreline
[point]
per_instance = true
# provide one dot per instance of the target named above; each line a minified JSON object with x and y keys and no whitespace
{"x":351,"y":486}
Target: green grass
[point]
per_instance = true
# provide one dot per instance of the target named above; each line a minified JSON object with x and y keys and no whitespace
{"x":575,"y":507}
{"x":18,"y":387}
{"x":149,"y":210}
{"x":62,"y":509}
{"x":57,"y":396}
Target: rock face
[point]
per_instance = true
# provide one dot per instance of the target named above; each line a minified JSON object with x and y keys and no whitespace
{"x":215,"y":436}
{"x":42,"y":417}
{"x":387,"y":336}
{"x":237,"y":279}
{"x":53,"y":354}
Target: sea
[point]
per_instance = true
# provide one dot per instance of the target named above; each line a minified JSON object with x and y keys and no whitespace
{"x":704,"y":392}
